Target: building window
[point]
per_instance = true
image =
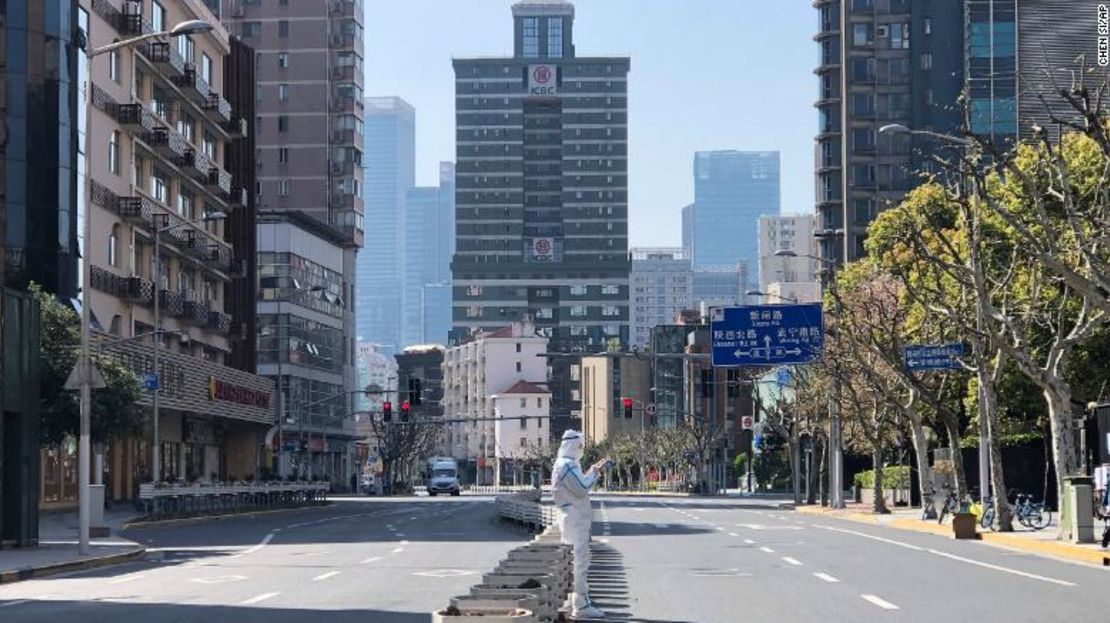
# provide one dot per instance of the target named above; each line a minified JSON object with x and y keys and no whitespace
{"x":157,"y":17}
{"x":899,"y":36}
{"x":113,"y":246}
{"x":555,"y":37}
{"x":862,"y":34}
{"x":160,"y":186}
{"x":113,"y":152}
{"x":185,"y":204}
{"x":531,"y":37}
{"x":611,"y":289}
{"x":283,"y":123}
{"x":283,"y":28}
{"x":283,"y":60}
{"x":113,"y":65}
{"x":185,"y":125}
{"x":926,"y":62}
{"x":114,"y":326}
{"x":523,"y":440}
{"x":578,"y":290}
{"x":186,"y":48}
{"x":610,"y":310}
{"x":518,"y":350}
{"x":578,"y":310}
{"x":518,"y":366}
{"x":252,"y":29}
{"x":283,"y":92}
{"x":283,"y":188}
{"x":206,"y":68}
{"x":283,"y":155}
{"x":523,"y":403}
{"x":209,"y":145}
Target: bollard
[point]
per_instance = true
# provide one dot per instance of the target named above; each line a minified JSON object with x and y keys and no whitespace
{"x":484,"y":616}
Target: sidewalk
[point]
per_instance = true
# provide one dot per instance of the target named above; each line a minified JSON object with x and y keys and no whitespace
{"x":57,"y":550}
{"x":1042,"y":542}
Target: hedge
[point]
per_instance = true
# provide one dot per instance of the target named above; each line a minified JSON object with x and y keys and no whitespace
{"x":894,"y":477}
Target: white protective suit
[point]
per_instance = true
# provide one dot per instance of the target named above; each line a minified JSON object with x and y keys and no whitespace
{"x":570,"y":489}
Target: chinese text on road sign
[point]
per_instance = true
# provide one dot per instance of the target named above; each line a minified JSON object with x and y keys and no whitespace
{"x":933,"y":356}
{"x":766,"y":335}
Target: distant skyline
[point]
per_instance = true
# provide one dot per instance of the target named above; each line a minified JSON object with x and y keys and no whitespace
{"x":706,"y":75}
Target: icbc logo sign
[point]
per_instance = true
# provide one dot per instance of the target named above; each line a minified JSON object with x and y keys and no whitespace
{"x":541,"y":81}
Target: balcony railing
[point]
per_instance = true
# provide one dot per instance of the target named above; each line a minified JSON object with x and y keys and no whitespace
{"x":343,"y":137}
{"x":343,"y":201}
{"x":167,"y":142}
{"x":172,"y":303}
{"x":195,"y":310}
{"x":139,"y":290}
{"x":218,"y":257}
{"x":219,"y":322}
{"x":238,"y":196}
{"x":345,"y":104}
{"x":220,"y":180}
{"x":193,"y":84}
{"x":135,"y":210}
{"x":217,"y":108}
{"x":344,"y":73}
{"x":165,"y":55}
{"x":349,"y":222}
{"x":196,"y":244}
{"x":135,"y":117}
{"x":197,"y":164}
{"x":236,"y":128}
{"x":342,"y":167}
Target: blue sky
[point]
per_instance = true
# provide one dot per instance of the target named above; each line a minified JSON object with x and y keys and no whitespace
{"x":706,"y":74}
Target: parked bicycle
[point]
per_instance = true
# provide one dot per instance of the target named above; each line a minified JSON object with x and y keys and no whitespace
{"x":1034,"y":516}
{"x":951,"y":505}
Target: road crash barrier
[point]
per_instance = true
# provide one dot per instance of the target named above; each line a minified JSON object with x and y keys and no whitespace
{"x":166,"y":500}
{"x":533,"y":581}
{"x":527,"y":509}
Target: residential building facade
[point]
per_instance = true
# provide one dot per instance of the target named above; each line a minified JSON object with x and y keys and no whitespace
{"x":374,"y":369}
{"x":732,"y":189}
{"x":661,"y":285}
{"x":792,"y":277}
{"x":606,"y":381}
{"x":520,"y":434}
{"x":489,"y":363}
{"x":542,"y":193}
{"x":164,"y":208}
{"x":390,"y":173}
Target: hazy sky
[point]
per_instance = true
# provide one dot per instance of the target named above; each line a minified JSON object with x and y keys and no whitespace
{"x":706,"y":74}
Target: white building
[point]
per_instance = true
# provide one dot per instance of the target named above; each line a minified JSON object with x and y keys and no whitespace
{"x":473,"y":373}
{"x":522,"y":427}
{"x":374,"y":368}
{"x":788,"y":278}
{"x":661,"y":286}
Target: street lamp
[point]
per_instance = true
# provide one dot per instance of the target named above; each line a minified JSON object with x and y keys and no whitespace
{"x":898,"y":128}
{"x":788,"y":299}
{"x":84,"y":362}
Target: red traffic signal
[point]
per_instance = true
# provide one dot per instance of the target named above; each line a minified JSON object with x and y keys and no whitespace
{"x":627,"y":403}
{"x":405,"y":411}
{"x":387,"y":411}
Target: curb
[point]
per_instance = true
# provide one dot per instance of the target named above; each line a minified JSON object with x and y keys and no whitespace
{"x":203,"y":518}
{"x":1054,"y":549}
{"x":17,"y":575}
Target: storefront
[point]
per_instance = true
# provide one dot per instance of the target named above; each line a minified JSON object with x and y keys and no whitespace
{"x":212,"y":426}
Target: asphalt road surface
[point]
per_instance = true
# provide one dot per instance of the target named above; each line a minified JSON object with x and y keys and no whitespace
{"x":361,"y":560}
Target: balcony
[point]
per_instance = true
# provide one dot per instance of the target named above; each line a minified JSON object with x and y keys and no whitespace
{"x":193,"y":84}
{"x":350,"y":223}
{"x":108,"y":282}
{"x":139,"y":290}
{"x":218,"y":257}
{"x":219,"y":322}
{"x":220,"y":180}
{"x":340,"y":41}
{"x":344,"y":73}
{"x":343,"y":103}
{"x":345,"y":137}
{"x":196,"y":164}
{"x":344,"y":201}
{"x":167,"y":142}
{"x":342,"y":167}
{"x":135,"y":117}
{"x":196,"y":244}
{"x":236,"y":128}
{"x":238,"y":197}
{"x":195,"y":311}
{"x":136,"y":210}
{"x":217,"y":108}
{"x":167,"y":58}
{"x":131,"y":24}
{"x":172,"y":303}
{"x":345,"y":8}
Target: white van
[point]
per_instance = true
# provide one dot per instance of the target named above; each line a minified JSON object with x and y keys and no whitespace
{"x":443,"y":477}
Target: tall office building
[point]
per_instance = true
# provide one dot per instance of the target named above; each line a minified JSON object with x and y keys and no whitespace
{"x":720,"y":286}
{"x":732,"y":189}
{"x":688,"y":227}
{"x":308,"y":152}
{"x":792,"y":234}
{"x":881,"y":62}
{"x":390,"y":158}
{"x":661,"y":286}
{"x":542,"y":195}
{"x":425,"y":259}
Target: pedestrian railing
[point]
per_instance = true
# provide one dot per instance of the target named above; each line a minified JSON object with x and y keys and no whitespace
{"x":206,"y":499}
{"x":527,"y":509}
{"x":494,"y":490}
{"x":530,"y":585}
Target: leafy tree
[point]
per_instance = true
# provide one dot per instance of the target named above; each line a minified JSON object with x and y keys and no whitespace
{"x":115,"y":412}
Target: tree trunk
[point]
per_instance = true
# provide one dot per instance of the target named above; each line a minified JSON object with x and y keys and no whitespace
{"x":1063,"y":438}
{"x":952,"y":426}
{"x":879,"y":505}
{"x":1003,"y":512}
{"x":921,"y":452}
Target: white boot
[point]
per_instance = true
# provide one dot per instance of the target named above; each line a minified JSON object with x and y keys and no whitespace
{"x":583,"y":610}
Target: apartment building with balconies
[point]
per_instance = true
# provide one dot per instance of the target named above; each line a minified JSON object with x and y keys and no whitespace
{"x":160,"y":193}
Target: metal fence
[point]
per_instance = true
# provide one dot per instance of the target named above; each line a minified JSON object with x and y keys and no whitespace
{"x":208,"y":499}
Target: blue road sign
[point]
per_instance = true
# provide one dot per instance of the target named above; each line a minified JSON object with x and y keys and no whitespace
{"x":919,"y":357}
{"x":150,"y":381}
{"x":766,"y":335}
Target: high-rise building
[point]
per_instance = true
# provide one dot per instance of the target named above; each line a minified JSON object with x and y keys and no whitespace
{"x":542,"y":195}
{"x":794,"y":235}
{"x":308,"y":145}
{"x":169,"y":203}
{"x":732,"y":189}
{"x":390,"y":158}
{"x":428,"y":221}
{"x":688,"y":227}
{"x":606,"y":382}
{"x":720,"y":286}
{"x":661,"y":285}
{"x":881,"y":62}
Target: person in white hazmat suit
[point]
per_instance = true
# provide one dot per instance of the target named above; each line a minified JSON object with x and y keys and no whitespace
{"x":570,"y":489}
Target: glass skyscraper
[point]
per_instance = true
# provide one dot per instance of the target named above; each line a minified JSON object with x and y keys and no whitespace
{"x":732,"y":189}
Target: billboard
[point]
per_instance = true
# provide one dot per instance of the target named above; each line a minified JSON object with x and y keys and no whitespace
{"x":543,"y":249}
{"x":543,"y":80}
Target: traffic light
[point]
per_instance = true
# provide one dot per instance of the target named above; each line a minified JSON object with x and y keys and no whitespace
{"x":387,"y":411}
{"x":405,"y":411}
{"x":627,"y":404}
{"x":414,"y":392}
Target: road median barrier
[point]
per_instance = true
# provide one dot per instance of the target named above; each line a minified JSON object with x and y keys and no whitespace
{"x":532,"y":582}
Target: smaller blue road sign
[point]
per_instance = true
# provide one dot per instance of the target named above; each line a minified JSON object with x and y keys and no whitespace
{"x":923,"y":357}
{"x":766,"y":335}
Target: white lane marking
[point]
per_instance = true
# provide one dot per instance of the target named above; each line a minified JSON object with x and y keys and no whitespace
{"x":1031,"y":576}
{"x":404,"y":542}
{"x":792,"y":561}
{"x":749,"y":541}
{"x":397,"y":550}
{"x":219,"y":579}
{"x":719,"y":528}
{"x":874,"y":538}
{"x":128,"y":578}
{"x":880,"y":602}
{"x":661,"y":526}
{"x":826,"y":577}
{"x":733,"y":534}
{"x":767,"y":550}
{"x":603,"y":540}
{"x":265,"y":541}
{"x":8,"y":604}
{"x":324,"y":576}
{"x":260,"y":598}
{"x":371,"y":560}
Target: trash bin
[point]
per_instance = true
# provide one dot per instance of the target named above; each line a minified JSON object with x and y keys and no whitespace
{"x":1077,"y":517}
